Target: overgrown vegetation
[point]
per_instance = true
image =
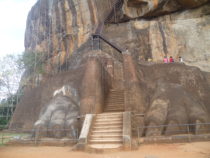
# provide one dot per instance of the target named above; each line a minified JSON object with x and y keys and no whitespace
{"x":7,"y":107}
{"x":10,"y":75}
{"x":32,"y":61}
{"x":12,"y":68}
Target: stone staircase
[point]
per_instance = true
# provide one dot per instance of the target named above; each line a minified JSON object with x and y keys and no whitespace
{"x":115,"y":101}
{"x":107,"y":131}
{"x":107,"y":128}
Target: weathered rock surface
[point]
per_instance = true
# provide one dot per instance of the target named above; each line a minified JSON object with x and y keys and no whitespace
{"x":176,"y":94}
{"x":58,"y":28}
{"x":183,"y":34}
{"x":167,"y":93}
{"x":151,"y":8}
{"x":58,"y":93}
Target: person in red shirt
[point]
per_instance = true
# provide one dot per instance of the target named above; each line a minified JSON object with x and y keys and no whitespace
{"x":171,"y":60}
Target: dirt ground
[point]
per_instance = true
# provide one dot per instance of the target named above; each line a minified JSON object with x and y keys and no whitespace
{"x":186,"y":150}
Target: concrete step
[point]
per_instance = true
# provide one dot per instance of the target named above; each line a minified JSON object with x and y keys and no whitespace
{"x":111,"y":114}
{"x":117,"y":109}
{"x":106,"y":131}
{"x":107,"y":119}
{"x":107,"y":127}
{"x":119,"y":135}
{"x":115,"y":104}
{"x":106,"y":146}
{"x":116,"y":93}
{"x":114,"y":98}
{"x":108,"y":123}
{"x":105,"y":141}
{"x":118,"y":106}
{"x":121,"y":95}
{"x":114,"y":108}
{"x":102,"y":120}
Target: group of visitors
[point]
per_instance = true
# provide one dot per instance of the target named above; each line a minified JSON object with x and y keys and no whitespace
{"x":171,"y":59}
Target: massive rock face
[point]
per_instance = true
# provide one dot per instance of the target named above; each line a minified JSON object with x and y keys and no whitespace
{"x":150,"y":8}
{"x":58,"y":28}
{"x":183,"y":34}
{"x":165,"y":93}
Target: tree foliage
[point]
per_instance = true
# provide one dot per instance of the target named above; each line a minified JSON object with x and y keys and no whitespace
{"x":11,"y":70}
{"x":10,"y":75}
{"x":32,"y":61}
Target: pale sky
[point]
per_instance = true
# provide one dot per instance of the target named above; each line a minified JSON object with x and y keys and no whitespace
{"x":13,"y":15}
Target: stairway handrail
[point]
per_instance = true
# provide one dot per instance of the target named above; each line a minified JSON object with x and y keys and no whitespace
{"x":108,"y":42}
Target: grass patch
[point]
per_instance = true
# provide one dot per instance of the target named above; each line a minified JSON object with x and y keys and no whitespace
{"x":5,"y":137}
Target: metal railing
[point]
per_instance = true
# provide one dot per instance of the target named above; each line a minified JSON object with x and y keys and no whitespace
{"x":97,"y":38}
{"x":173,"y":129}
{"x":18,"y":136}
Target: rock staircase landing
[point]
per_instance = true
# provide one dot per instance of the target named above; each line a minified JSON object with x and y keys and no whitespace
{"x":115,"y":101}
{"x":107,"y":131}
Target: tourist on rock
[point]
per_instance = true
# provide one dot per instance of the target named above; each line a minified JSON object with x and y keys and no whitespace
{"x":180,"y":59}
{"x":126,"y":51}
{"x":171,"y":60}
{"x":149,"y":59}
{"x":165,"y":59}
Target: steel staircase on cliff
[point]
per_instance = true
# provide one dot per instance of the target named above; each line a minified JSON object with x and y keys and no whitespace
{"x":115,"y":7}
